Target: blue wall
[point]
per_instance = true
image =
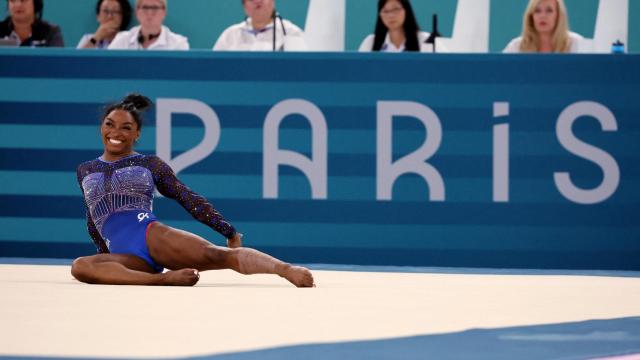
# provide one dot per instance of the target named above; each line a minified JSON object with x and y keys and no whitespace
{"x":49,"y":124}
{"x":203,"y":20}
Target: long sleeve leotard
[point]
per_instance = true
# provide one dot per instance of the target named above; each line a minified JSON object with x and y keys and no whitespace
{"x":129,"y":184}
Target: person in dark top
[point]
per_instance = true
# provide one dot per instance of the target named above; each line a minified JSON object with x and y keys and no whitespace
{"x":25,"y":25}
{"x":133,"y":246}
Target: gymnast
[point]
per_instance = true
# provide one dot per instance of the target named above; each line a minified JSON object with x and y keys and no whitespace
{"x":133,"y":246}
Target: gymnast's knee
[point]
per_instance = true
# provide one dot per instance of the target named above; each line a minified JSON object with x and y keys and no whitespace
{"x":81,"y":270}
{"x":223,"y":257}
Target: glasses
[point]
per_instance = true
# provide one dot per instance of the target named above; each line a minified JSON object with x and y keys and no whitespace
{"x":151,"y":8}
{"x":392,"y":11}
{"x":109,"y":12}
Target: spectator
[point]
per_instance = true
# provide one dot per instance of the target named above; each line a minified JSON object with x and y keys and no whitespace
{"x":25,"y":25}
{"x":113,"y":16}
{"x":545,"y":29}
{"x":151,"y":34}
{"x":256,"y":32}
{"x":396,"y":30}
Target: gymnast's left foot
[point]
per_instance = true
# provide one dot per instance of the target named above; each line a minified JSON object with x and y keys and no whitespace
{"x":297,"y":275}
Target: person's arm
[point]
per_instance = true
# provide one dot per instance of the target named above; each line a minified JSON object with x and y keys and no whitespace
{"x":54,"y":38}
{"x":107,"y":30}
{"x":367,"y":44}
{"x":101,"y":245}
{"x":82,"y":44}
{"x":120,"y":41}
{"x":223,"y":42}
{"x":513,"y":47}
{"x":168,"y":185}
{"x":183,"y":44}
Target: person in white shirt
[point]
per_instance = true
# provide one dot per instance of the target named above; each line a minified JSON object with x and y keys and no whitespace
{"x":256,"y":33}
{"x":113,"y":16}
{"x":151,"y":34}
{"x":545,"y":29}
{"x":397,"y":30}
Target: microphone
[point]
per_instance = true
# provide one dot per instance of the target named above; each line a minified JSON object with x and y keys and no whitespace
{"x":273,"y":16}
{"x":276,"y":15}
{"x":434,"y":33}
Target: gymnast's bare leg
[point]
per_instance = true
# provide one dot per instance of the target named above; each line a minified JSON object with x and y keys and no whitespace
{"x":120,"y":269}
{"x":177,"y":249}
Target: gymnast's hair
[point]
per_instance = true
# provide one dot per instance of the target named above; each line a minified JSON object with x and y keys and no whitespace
{"x":134,"y":104}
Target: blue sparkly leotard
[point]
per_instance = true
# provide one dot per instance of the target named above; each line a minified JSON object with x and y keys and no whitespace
{"x":115,"y":192}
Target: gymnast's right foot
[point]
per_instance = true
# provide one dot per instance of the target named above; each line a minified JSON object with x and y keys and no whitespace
{"x":182,"y":277}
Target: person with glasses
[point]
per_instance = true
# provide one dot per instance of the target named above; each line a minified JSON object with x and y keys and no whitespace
{"x":262,"y":30}
{"x":25,"y":26}
{"x":113,"y":16}
{"x":151,"y":34}
{"x":397,"y":30}
{"x":545,"y":29}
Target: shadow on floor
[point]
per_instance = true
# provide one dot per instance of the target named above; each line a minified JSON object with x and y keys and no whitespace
{"x":579,"y":340}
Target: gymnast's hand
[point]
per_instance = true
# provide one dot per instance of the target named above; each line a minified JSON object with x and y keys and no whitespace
{"x":235,"y":241}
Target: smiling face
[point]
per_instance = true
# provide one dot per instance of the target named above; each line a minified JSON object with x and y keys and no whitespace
{"x":545,"y":16}
{"x":119,"y":133}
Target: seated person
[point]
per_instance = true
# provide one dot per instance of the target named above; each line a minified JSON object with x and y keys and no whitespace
{"x":25,"y":25}
{"x":151,"y":34}
{"x":397,"y":30}
{"x":256,"y":32}
{"x":545,"y":29}
{"x":113,"y":16}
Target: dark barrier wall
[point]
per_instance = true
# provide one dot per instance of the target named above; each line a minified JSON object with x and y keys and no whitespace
{"x":411,"y":159}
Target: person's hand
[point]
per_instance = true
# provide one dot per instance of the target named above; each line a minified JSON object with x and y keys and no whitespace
{"x":235,"y":241}
{"x":107,"y":30}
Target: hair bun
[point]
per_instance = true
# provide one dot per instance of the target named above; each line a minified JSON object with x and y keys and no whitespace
{"x":136,"y":102}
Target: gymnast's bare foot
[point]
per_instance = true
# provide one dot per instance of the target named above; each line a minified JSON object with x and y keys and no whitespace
{"x":298,"y":276}
{"x":182,"y":277}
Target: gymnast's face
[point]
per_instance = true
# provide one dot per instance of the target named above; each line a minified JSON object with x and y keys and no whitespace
{"x":119,"y":133}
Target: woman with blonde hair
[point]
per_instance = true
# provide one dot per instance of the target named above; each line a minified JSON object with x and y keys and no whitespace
{"x":545,"y":29}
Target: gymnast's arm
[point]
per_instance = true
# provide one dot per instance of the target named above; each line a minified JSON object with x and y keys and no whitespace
{"x":101,"y":245}
{"x":169,"y":186}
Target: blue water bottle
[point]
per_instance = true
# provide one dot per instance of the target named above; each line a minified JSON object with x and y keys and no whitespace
{"x":617,"y":47}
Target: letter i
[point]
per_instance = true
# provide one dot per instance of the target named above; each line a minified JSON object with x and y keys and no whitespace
{"x":500,"y":154}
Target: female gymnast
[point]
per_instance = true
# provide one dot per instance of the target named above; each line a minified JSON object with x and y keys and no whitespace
{"x":133,"y":247}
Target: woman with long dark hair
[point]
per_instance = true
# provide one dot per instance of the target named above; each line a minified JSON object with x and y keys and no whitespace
{"x":133,"y":246}
{"x":396,"y":30}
